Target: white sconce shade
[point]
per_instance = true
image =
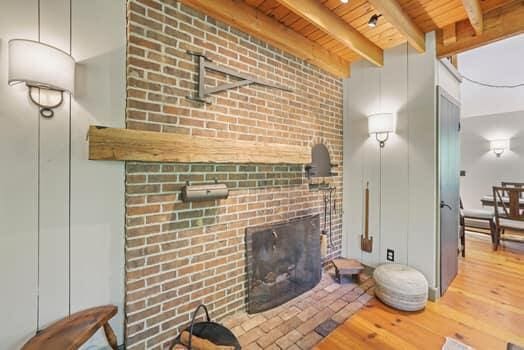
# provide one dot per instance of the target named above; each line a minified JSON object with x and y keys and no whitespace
{"x":40,"y":65}
{"x":381,"y":124}
{"x":499,"y":146}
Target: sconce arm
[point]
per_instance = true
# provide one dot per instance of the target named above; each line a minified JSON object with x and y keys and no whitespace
{"x":46,"y":111}
{"x":382,"y":140}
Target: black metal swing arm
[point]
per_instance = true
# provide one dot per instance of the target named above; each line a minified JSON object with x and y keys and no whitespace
{"x":206,"y":64}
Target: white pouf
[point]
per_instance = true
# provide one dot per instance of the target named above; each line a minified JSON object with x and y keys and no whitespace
{"x":401,"y":287}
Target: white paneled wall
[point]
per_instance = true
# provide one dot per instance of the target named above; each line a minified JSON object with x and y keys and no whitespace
{"x":97,"y":188}
{"x":61,"y":215}
{"x":483,"y":168}
{"x":19,"y":128}
{"x":402,"y":176}
{"x":54,"y":180}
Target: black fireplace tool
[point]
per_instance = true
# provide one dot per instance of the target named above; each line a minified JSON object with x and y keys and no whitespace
{"x":332,"y":208}
{"x":212,"y":331}
{"x":324,"y":231}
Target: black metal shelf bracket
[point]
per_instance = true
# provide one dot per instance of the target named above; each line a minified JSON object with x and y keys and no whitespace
{"x":205,"y":64}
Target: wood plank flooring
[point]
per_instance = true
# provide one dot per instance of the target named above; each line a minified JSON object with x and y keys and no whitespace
{"x":484,"y":308}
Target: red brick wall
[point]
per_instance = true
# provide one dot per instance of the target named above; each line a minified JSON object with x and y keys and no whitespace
{"x":181,"y":254}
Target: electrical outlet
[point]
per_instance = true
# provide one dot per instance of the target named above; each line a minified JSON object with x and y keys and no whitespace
{"x":390,"y":255}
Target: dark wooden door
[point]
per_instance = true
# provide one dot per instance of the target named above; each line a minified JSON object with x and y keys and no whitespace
{"x":449,"y":162}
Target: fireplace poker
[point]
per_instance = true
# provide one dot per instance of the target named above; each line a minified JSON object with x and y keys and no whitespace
{"x":331,"y":191}
{"x":323,"y":234}
{"x":324,"y":231}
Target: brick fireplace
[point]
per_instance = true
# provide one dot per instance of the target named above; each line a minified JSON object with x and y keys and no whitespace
{"x":178,"y":254}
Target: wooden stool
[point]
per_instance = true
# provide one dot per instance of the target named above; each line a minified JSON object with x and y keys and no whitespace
{"x":346,"y":267}
{"x":71,"y":332}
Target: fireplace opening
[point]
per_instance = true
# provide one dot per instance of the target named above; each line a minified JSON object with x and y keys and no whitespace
{"x":283,"y":261}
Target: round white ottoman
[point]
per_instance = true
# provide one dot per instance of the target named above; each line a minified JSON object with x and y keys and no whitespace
{"x":401,"y":287}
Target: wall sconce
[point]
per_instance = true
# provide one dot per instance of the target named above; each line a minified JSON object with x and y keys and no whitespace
{"x":41,"y":67}
{"x":499,"y":146}
{"x":381,"y":124}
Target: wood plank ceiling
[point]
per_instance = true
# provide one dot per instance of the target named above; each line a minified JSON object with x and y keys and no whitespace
{"x":306,"y":18}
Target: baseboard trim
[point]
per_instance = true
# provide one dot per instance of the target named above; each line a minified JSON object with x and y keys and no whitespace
{"x":433,"y":294}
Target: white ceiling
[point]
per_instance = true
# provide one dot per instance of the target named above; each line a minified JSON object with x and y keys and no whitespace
{"x":501,"y":62}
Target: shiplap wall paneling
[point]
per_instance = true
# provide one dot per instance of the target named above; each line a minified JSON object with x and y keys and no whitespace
{"x":403,"y":179}
{"x":18,"y":186}
{"x":371,"y":174}
{"x":97,"y":188}
{"x":349,"y":146}
{"x":361,"y":99}
{"x":51,"y":265}
{"x":423,"y":211}
{"x":54,"y":181}
{"x":395,"y":180}
{"x":355,"y":135}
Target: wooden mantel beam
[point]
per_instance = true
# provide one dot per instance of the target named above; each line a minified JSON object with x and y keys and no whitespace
{"x":316,"y":13}
{"x":149,"y":146}
{"x":501,"y":23}
{"x":394,"y":14}
{"x":244,"y":17}
{"x":475,"y":16}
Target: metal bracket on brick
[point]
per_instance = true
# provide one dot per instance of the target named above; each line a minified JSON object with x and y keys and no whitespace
{"x":246,"y":79}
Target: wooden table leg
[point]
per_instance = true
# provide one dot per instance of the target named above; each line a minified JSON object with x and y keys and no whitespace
{"x":495,"y":234}
{"x":463,"y":240}
{"x":110,"y":336}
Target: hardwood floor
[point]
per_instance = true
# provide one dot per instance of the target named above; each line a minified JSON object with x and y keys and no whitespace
{"x":484,"y":308}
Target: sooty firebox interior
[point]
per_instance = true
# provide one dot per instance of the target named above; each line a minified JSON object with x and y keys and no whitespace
{"x":283,"y":261}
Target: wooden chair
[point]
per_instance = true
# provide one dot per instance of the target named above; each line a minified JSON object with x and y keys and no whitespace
{"x":513,"y":185}
{"x":71,"y":332}
{"x":469,"y":216}
{"x":508,"y":212}
{"x":488,"y":200}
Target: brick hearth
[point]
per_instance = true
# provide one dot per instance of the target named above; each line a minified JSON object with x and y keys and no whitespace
{"x":292,"y":325}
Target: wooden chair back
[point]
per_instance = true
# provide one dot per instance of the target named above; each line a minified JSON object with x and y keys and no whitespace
{"x":513,"y":185}
{"x":507,"y":203}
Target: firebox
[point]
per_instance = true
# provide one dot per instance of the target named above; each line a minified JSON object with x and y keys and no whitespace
{"x":283,"y":261}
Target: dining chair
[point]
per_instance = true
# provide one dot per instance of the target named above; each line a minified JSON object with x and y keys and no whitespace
{"x":513,"y":185}
{"x":508,"y":211}
{"x":477,"y":220}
